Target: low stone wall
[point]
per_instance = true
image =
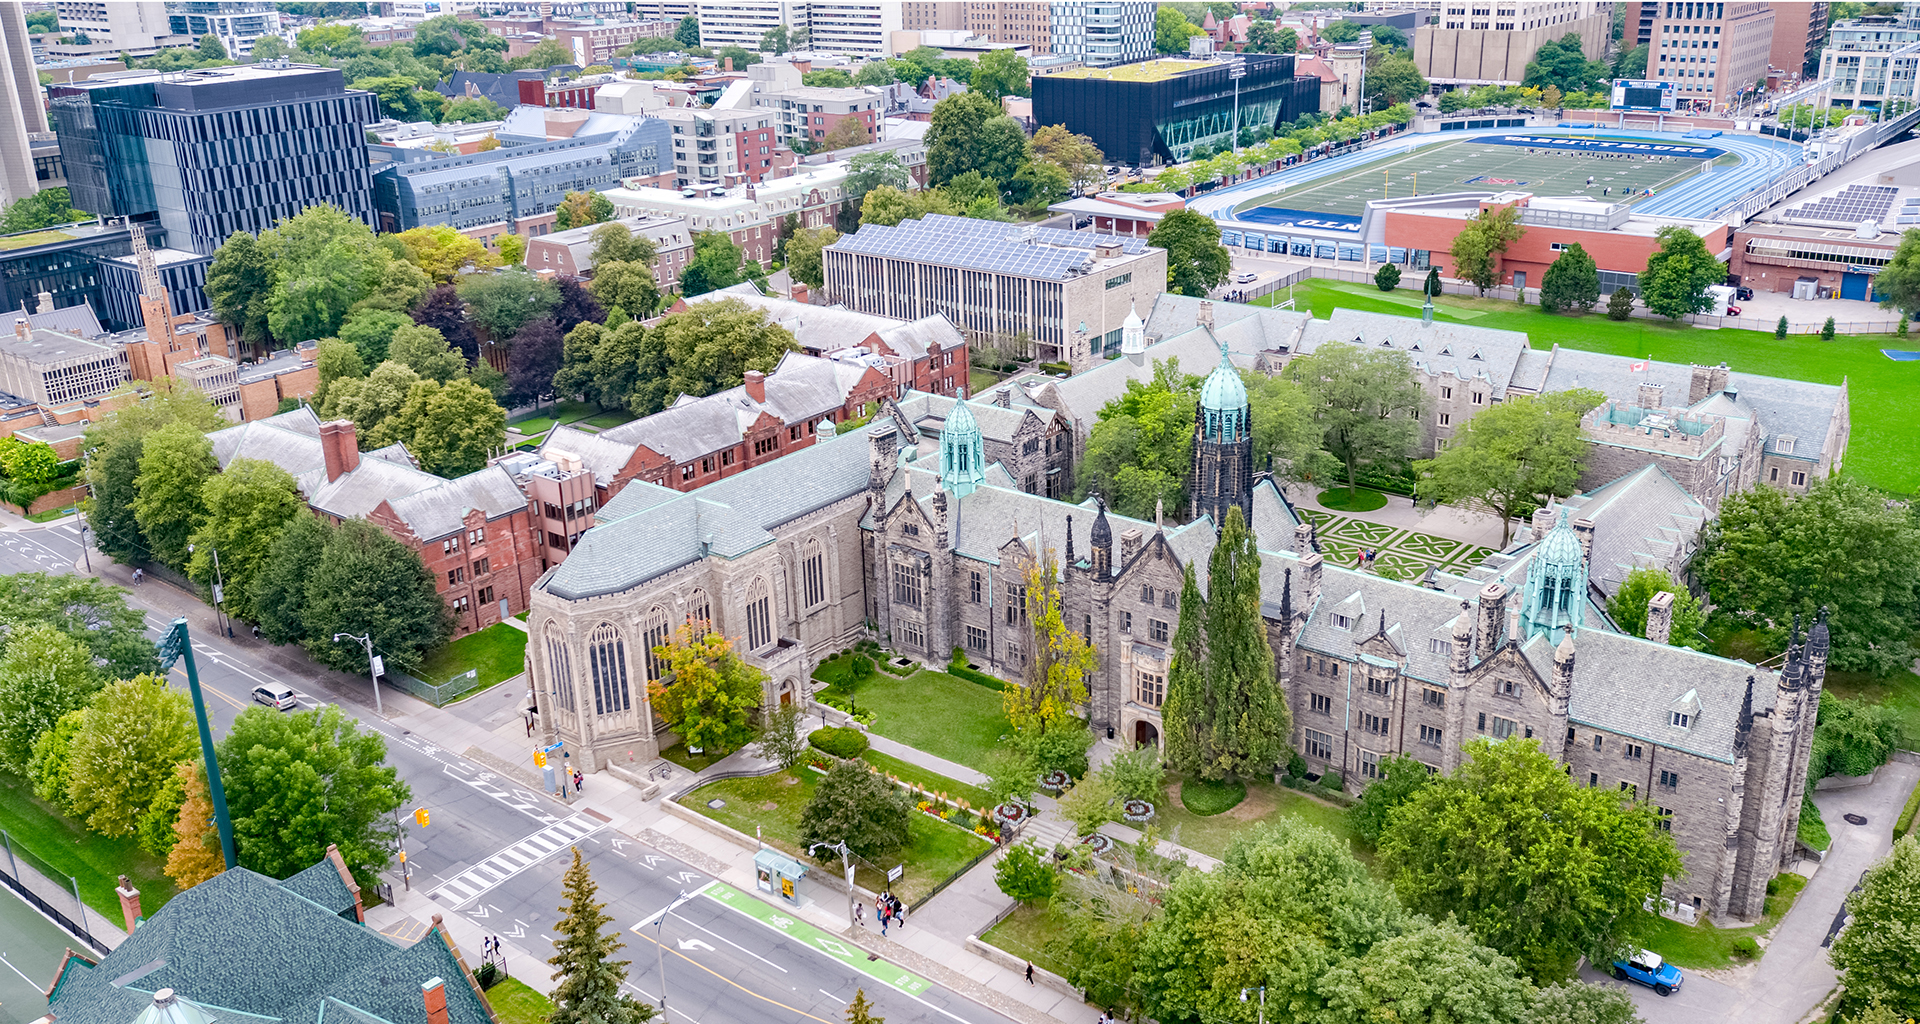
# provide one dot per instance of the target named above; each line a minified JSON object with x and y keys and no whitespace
{"x":1846,"y":781}
{"x":648,"y":789}
{"x":64,"y":498}
{"x":1005,"y":959}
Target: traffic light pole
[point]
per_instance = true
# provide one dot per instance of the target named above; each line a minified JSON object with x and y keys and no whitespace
{"x":173,"y":646}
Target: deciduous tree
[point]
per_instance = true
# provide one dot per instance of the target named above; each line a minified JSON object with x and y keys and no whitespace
{"x":533,"y":360}
{"x":617,"y":243}
{"x":443,"y":310}
{"x":969,"y":132}
{"x":580,"y":209}
{"x":43,"y":209}
{"x":279,"y":588}
{"x":370,"y":331}
{"x":1059,"y":659}
{"x":713,"y":694}
{"x":92,"y":612}
{"x":1074,"y":154}
{"x":372,"y":401}
{"x":589,"y":978}
{"x":630,"y":285}
{"x":858,"y":807}
{"x":782,"y":741}
{"x":52,"y":766}
{"x":1400,"y":778}
{"x":868,"y":171}
{"x":134,"y":733}
{"x":1898,"y":282}
{"x":1171,"y":30}
{"x":194,"y":855}
{"x":1512,"y":457}
{"x":1023,"y":874}
{"x":368,"y":584}
{"x":803,"y":254}
{"x":1876,"y":950}
{"x":1196,"y":261}
{"x":1628,"y":607}
{"x":706,"y":348}
{"x":451,"y":428}
{"x":44,"y":674}
{"x":502,"y":302}
{"x":424,"y":351}
{"x":716,"y":264}
{"x":1438,"y":972}
{"x":1000,"y":73}
{"x":1366,"y":402}
{"x":887,"y":205}
{"x":175,"y":464}
{"x":1540,"y":869}
{"x":443,"y":252}
{"x":240,"y":286}
{"x":1678,"y":273}
{"x":1478,"y":246}
{"x":247,"y":507}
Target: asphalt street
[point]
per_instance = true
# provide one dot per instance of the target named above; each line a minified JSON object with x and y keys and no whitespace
{"x":494,"y":851}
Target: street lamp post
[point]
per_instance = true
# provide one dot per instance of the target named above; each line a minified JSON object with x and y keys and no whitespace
{"x":1263,"y":1001}
{"x":373,"y":666}
{"x":659,"y":947}
{"x":173,"y":646}
{"x":1236,"y":70}
{"x":846,"y":861}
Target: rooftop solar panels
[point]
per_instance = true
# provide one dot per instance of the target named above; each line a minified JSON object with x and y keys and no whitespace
{"x":994,"y":246}
{"x":1849,"y":206}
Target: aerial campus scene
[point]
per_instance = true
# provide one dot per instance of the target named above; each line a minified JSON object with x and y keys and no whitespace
{"x":1220,"y":512}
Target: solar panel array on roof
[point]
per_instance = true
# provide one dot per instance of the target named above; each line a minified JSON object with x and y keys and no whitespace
{"x":1849,"y":206}
{"x":986,"y":245}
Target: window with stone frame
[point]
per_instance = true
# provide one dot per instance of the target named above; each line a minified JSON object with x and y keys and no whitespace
{"x":906,"y":584}
{"x":1632,"y":751}
{"x":1157,"y":630}
{"x":1319,"y":745}
{"x":1369,"y":764}
{"x":1663,"y":817}
{"x":976,"y":639}
{"x":1016,"y":603}
{"x":759,"y":616}
{"x":1383,"y":687}
{"x":975,"y":586}
{"x":813,"y":575}
{"x":559,"y":671}
{"x":607,"y":665}
{"x":1670,"y":780}
{"x":1504,"y":727}
{"x":1126,"y":622}
{"x":911,"y":634}
{"x":1430,"y":735}
{"x":654,"y":636}
{"x":1320,"y":703}
{"x":1150,"y":687}
{"x":1378,"y":725}
{"x":1630,"y":788}
{"x":699,"y":609}
{"x":1433,"y":697}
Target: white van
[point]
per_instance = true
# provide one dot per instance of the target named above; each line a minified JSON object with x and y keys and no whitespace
{"x":278,"y":696}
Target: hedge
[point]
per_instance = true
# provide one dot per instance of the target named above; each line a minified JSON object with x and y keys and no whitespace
{"x":840,"y":741}
{"x":958,"y":667}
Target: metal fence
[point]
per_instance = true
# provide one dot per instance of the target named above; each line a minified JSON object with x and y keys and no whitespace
{"x":34,"y":881}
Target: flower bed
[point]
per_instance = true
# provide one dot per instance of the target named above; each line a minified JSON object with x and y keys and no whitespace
{"x":1136,"y":810}
{"x":1055,"y":781}
{"x":1098,"y":843}
{"x":1011,"y":814}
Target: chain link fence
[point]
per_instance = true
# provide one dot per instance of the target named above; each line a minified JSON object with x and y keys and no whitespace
{"x":36,"y":882}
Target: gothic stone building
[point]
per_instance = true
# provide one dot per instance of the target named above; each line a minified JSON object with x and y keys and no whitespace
{"x":908,"y":534}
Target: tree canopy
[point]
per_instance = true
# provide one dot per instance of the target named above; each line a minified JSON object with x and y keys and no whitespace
{"x":1196,"y":261}
{"x":1899,"y":281}
{"x":706,"y":348}
{"x":1367,"y":403}
{"x":1477,"y":249}
{"x":858,"y":807}
{"x":1572,"y":282}
{"x":1678,"y":273}
{"x":703,"y":690}
{"x":1876,"y":949}
{"x":1628,"y":607}
{"x":1563,"y":64}
{"x":1512,"y":456}
{"x":969,"y":132}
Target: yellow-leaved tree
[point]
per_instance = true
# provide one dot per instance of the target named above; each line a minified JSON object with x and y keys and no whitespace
{"x":1059,"y":659}
{"x":196,"y":856}
{"x":706,"y":693}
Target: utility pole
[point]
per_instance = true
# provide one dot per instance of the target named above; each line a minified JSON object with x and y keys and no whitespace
{"x":659,"y":948}
{"x":846,"y":861}
{"x":173,"y":646}
{"x":1263,"y":1001}
{"x":373,"y":666}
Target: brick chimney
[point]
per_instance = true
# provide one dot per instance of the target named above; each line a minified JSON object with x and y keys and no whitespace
{"x":799,"y":291}
{"x":19,"y":326}
{"x":340,"y":444}
{"x":756,"y":385}
{"x":130,"y":897}
{"x":433,"y":992}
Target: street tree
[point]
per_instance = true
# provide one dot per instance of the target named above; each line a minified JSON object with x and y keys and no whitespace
{"x":1228,"y":721}
{"x":1876,"y":949}
{"x":860,"y":1011}
{"x":368,"y":584}
{"x":44,"y":674}
{"x":1366,"y":402}
{"x":297,"y":783}
{"x":803,"y":254}
{"x":1772,"y":557}
{"x":443,"y":252}
{"x":247,"y":507}
{"x":1437,"y":972}
{"x":1196,"y":261}
{"x":92,"y":612}
{"x":589,"y":979}
{"x":708,"y":347}
{"x":1572,"y":282}
{"x":1628,"y":607}
{"x":858,"y":807}
{"x":194,"y":855}
{"x":175,"y":464}
{"x":1480,"y":244}
{"x":279,"y":587}
{"x":500,"y":303}
{"x":1540,"y":869}
{"x":1678,"y":273}
{"x":1898,"y":282}
{"x":580,"y":209}
{"x":134,"y":733}
{"x":1512,"y":457}
{"x":154,"y":829}
{"x":425,"y":351}
{"x":703,"y":690}
{"x":1400,"y":778}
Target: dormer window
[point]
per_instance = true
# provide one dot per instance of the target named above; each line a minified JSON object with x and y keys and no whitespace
{"x":1339,"y":621}
{"x":1682,"y":720}
{"x":1783,"y":444}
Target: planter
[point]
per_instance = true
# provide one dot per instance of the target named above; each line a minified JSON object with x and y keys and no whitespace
{"x":1098,"y":843}
{"x":1136,"y":810}
{"x":1011,"y":814}
{"x":1055,"y":781}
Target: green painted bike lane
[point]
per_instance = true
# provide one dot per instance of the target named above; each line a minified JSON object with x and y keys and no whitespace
{"x":850,"y":955}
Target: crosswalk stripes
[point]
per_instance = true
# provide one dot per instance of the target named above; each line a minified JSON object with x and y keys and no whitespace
{"x":468,"y":885}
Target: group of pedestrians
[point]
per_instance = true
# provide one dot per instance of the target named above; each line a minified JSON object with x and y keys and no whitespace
{"x":887,"y":908}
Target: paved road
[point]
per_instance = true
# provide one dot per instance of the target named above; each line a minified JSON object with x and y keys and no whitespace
{"x":495,"y":851}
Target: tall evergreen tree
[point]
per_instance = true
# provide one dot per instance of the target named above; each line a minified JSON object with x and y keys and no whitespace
{"x":590,"y":980}
{"x":860,"y":1011}
{"x":1186,"y":717}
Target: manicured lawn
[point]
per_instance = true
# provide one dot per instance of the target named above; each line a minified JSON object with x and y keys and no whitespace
{"x":1882,"y":449}
{"x":942,"y":714}
{"x":679,"y":755}
{"x":497,"y":652}
{"x":1704,"y":946}
{"x":31,"y":239}
{"x":1265,"y":801}
{"x":573,"y":412}
{"x":515,"y":1003}
{"x":610,"y":418}
{"x":979,"y":382}
{"x":536,"y":425}
{"x":50,"y":515}
{"x":1205,"y":799}
{"x":1900,"y":692}
{"x":1027,"y":934}
{"x":774,"y":802}
{"x":1361,"y":500}
{"x":975,"y":797}
{"x":66,"y":847}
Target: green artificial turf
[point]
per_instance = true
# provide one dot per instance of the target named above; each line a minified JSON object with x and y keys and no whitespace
{"x":1362,"y":499}
{"x":1703,"y":946}
{"x":1881,"y":451}
{"x":60,"y":846}
{"x":942,"y":714}
{"x":772,"y":803}
{"x":497,"y":652}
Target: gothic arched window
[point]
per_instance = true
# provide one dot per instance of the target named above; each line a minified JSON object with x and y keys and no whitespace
{"x":607,"y":664}
{"x":759,"y":616}
{"x":559,"y":669}
{"x":655,"y":635}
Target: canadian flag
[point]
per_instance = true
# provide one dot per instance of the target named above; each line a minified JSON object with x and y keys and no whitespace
{"x":1639,"y":366}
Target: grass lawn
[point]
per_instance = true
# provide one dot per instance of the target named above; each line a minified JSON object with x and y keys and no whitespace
{"x":50,"y":515}
{"x":975,"y":797}
{"x":497,"y":652}
{"x":1026,"y":933}
{"x":31,"y":239}
{"x":573,"y":412}
{"x":1900,"y":692}
{"x":774,"y":802}
{"x":1205,"y":799}
{"x":64,"y":845}
{"x":610,"y":418}
{"x":979,"y":382}
{"x":1881,"y":450}
{"x":1704,"y":946}
{"x":530,"y":427}
{"x":515,"y":1003}
{"x":942,"y":714}
{"x":1265,"y":801}
{"x":679,"y":755}
{"x":1362,"y":500}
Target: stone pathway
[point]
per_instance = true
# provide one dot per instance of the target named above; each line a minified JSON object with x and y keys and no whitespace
{"x":1400,"y":552}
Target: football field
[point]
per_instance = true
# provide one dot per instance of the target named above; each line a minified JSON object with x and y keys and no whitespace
{"x":1620,"y":171}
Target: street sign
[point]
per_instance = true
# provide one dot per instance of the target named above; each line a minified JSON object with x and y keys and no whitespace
{"x":379,"y":665}
{"x":894,"y":873}
{"x":216,"y":593}
{"x":551,"y":747}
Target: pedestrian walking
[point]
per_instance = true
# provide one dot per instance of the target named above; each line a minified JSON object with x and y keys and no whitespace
{"x":577,"y":780}
{"x":882,"y":915}
{"x":859,"y":913}
{"x":1029,"y":972}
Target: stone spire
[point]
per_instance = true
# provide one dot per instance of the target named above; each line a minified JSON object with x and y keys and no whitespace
{"x":1069,"y":541}
{"x":1286,"y":597}
{"x":1102,"y":542}
{"x":1744,"y":731}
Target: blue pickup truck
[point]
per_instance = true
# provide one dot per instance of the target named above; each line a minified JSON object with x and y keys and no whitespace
{"x":1648,"y":969}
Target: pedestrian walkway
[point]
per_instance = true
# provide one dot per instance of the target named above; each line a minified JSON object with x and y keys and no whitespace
{"x":468,"y":885}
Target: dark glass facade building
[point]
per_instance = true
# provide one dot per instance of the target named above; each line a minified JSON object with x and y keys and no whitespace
{"x":1167,"y":106}
{"x":67,"y":263}
{"x":219,"y":150}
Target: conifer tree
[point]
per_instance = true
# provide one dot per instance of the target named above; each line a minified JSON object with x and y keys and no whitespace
{"x":1185,"y":715}
{"x":860,"y":1011}
{"x":589,"y":989}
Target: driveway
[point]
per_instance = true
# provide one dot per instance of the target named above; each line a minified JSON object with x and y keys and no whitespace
{"x":1794,"y":975}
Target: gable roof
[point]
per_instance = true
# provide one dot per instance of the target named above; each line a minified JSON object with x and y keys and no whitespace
{"x":1643,"y":519}
{"x":816,"y":328}
{"x":1463,"y":351}
{"x":442,"y":509}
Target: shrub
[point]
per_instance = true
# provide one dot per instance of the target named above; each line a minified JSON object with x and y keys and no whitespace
{"x":1332,"y":782}
{"x":840,"y":741}
{"x":1135,"y":774}
{"x":1780,"y":329}
{"x":1387,"y":278}
{"x":958,"y":667}
{"x":1850,"y":738}
{"x":1620,"y":305}
{"x":1296,"y":765}
{"x":1826,"y":330}
{"x":1901,"y":330}
{"x":1025,"y":875}
{"x":1746,"y":946}
{"x":1209,"y":798}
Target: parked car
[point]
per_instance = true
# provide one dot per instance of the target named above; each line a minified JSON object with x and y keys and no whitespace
{"x":1743,"y":294}
{"x":1648,"y":969}
{"x":1245,"y":277}
{"x":278,"y":696}
{"x":1733,"y":310}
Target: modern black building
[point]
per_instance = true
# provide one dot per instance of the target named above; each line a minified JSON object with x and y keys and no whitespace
{"x":219,"y":150}
{"x":1166,"y":106}
{"x":73,"y":263}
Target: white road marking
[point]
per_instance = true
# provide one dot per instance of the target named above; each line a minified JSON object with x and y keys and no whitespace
{"x":470,"y":884}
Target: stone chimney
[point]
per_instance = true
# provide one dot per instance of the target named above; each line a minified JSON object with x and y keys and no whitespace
{"x":756,"y":385}
{"x":1706,"y":380}
{"x":340,"y":444}
{"x":729,"y":64}
{"x":1542,"y":522}
{"x":46,"y":303}
{"x":1311,"y":569}
{"x":881,"y":453}
{"x":433,"y":992}
{"x":1653,"y":396}
{"x":129,"y":896}
{"x":1003,"y":397}
{"x":1205,"y":316}
{"x":1129,"y":545}
{"x":1660,"y":618}
{"x":1303,"y":539}
{"x":1583,"y":529}
{"x":1492,"y":628}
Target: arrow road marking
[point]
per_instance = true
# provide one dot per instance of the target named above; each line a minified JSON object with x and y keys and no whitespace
{"x":519,"y":929}
{"x":478,"y":912}
{"x":685,"y":877}
{"x":695,"y":944}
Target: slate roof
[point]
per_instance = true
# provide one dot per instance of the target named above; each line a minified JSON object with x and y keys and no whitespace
{"x":78,"y":320}
{"x":247,"y":945}
{"x":1243,"y":327}
{"x":1464,"y":351}
{"x":290,"y":440}
{"x":357,"y":493}
{"x":1643,"y":519}
{"x":915,"y":338}
{"x":442,"y":509}
{"x":817,"y":328}
{"x":929,"y":413}
{"x":1197,"y":350}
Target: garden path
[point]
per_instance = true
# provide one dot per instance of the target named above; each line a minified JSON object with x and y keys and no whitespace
{"x":1406,"y":540}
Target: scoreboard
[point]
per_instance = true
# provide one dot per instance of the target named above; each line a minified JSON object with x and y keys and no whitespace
{"x":1637,"y":95}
